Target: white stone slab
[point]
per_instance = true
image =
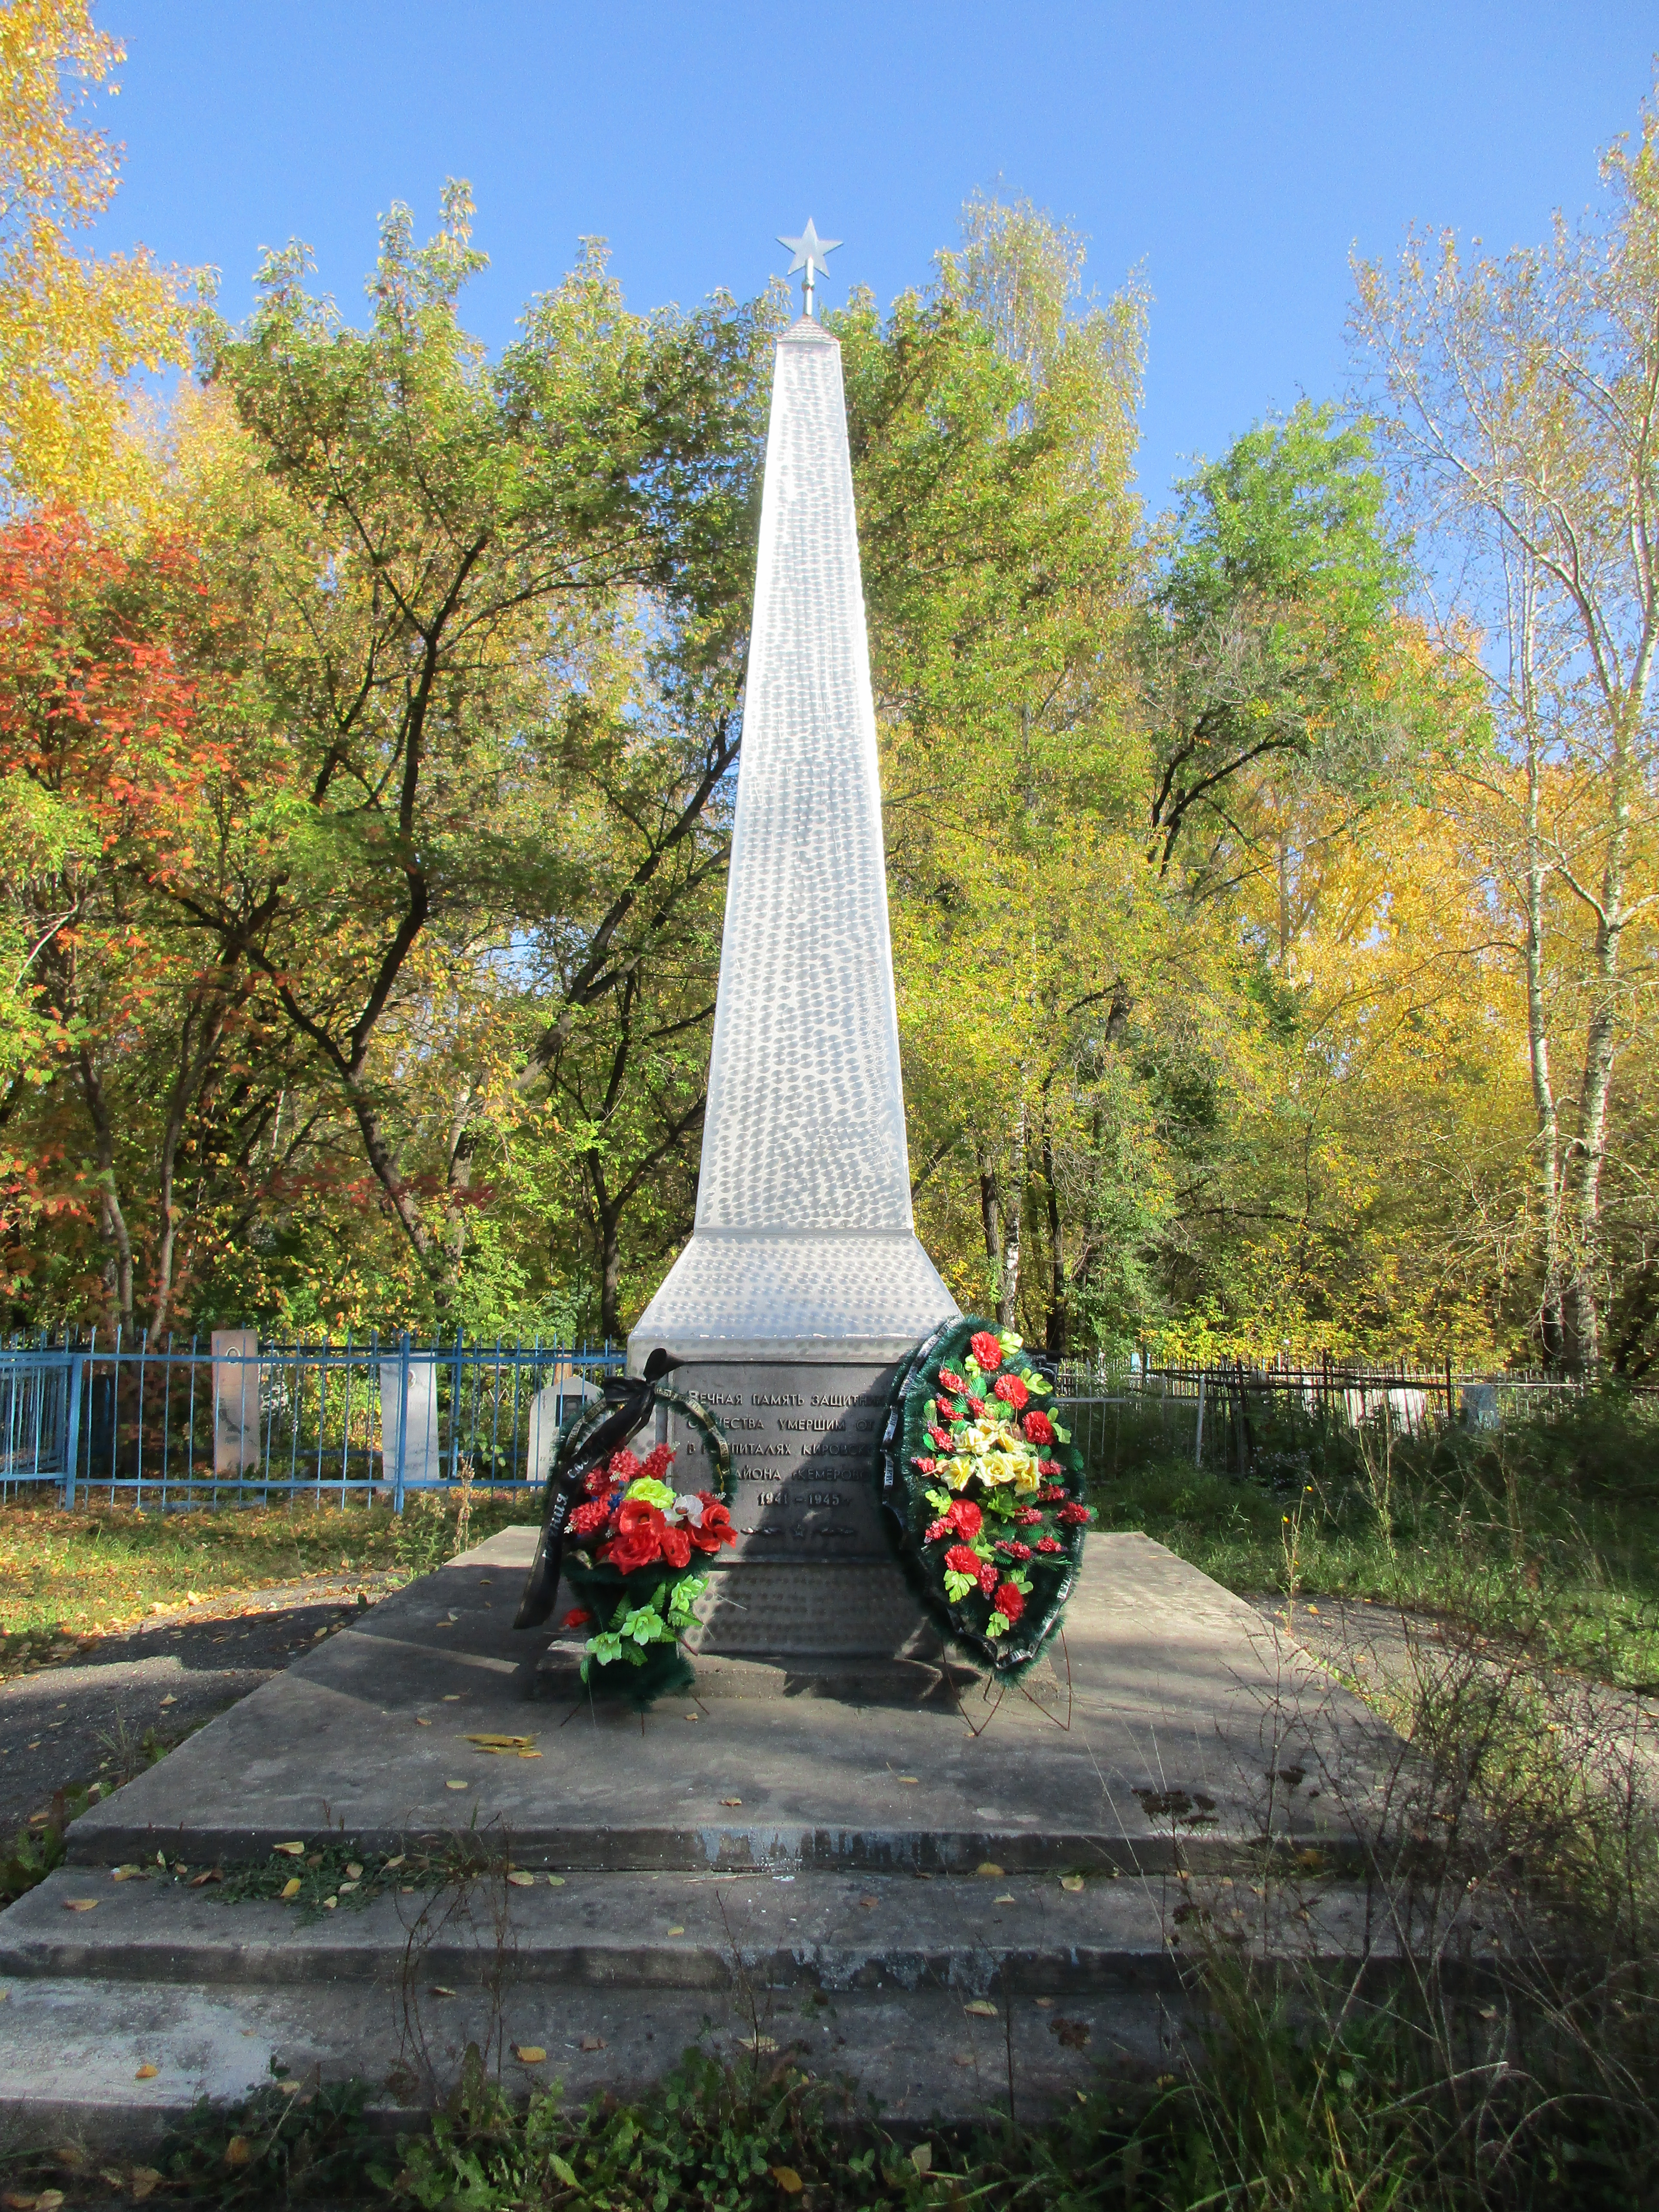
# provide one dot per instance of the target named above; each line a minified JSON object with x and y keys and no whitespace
{"x":235,"y":1399}
{"x":422,"y":1460}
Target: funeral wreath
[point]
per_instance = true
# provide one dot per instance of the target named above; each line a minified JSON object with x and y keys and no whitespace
{"x":987,"y":1488}
{"x":633,"y":1550}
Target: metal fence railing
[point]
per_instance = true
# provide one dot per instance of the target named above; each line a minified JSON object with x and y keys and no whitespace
{"x":237,"y":1421}
{"x":1221,"y":1415}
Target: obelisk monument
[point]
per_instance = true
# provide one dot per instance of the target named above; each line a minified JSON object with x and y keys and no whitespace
{"x":804,"y":1282}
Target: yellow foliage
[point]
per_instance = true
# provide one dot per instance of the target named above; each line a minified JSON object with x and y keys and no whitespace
{"x":73,"y":328}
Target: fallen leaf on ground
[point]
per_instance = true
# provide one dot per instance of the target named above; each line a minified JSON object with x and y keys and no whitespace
{"x":80,"y":1904}
{"x":421,"y":1721}
{"x":528,"y":1755}
{"x":1007,"y":1898}
{"x":147,"y":2072}
{"x":48,"y":2200}
{"x":125,"y":1873}
{"x":290,"y":1851}
{"x":500,"y":1742}
{"x":867,"y":1902}
{"x":390,"y":1863}
{"x":213,"y":1874}
{"x":788,"y":2180}
{"x":1071,"y":1881}
{"x":961,"y":2058}
{"x":16,"y":2203}
{"x":758,"y":2043}
{"x":731,"y":1801}
{"x":908,"y":1778}
{"x":169,"y":1699}
{"x":981,"y":2009}
{"x":529,"y":2054}
{"x":238,"y":2151}
{"x":439,"y":1990}
{"x":592,"y":2043}
{"x":520,"y":1879}
{"x":291,"y":1886}
{"x":555,"y":1881}
{"x":922,"y":2157}
{"x":454,"y":1785}
{"x":355,"y":1870}
{"x":1043,"y":2002}
{"x":677,"y":1931}
{"x":990,"y":1867}
{"x":143,"y":2183}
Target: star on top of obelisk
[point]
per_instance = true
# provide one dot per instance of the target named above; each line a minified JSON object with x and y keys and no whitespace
{"x":809,"y":250}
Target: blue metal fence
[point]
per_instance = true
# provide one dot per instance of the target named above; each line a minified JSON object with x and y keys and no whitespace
{"x":235,"y":1421}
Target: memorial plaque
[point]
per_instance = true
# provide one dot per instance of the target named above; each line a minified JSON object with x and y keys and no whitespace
{"x":803,"y":1439}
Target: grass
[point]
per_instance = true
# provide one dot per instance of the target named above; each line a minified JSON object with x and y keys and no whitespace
{"x":65,"y":1575}
{"x":1548,"y":1527}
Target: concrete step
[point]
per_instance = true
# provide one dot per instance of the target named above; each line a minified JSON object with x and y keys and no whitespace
{"x":826,"y":1933}
{"x":71,"y":2050}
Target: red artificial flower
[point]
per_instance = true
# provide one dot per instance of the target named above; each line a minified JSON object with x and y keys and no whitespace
{"x":1074,"y":1515}
{"x":1011,"y":1391}
{"x":987,"y":1577}
{"x":716,"y":1527}
{"x":578,"y":1616}
{"x":987,"y":1351}
{"x":939,"y":1530}
{"x":1039,"y":1429}
{"x":1049,"y":1466}
{"x":975,"y":1406}
{"x":597,"y":1482}
{"x":1047,"y":1544}
{"x":623,"y":1466}
{"x":940,"y":1440}
{"x":1013,"y":1549}
{"x":638,"y":1540}
{"x":1050,"y":1491}
{"x":966,"y":1517}
{"x":658,"y":1464}
{"x":1028,"y":1516}
{"x":950,"y":1411}
{"x":962,"y":1561}
{"x":587,"y":1518}
{"x":1009,"y":1599}
{"x":927,"y":1465}
{"x":677,"y":1546}
{"x":952,"y":1382}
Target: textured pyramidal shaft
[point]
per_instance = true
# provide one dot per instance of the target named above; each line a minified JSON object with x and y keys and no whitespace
{"x":804,"y":1240}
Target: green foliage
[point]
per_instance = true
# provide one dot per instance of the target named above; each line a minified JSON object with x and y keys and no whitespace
{"x":1546,"y":1530}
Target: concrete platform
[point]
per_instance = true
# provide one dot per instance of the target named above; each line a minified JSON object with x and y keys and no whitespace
{"x":854,"y":1874}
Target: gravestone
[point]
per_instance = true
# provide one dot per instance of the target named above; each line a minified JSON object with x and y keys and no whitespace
{"x":416,"y":1410}
{"x":235,"y":1399}
{"x":804,"y":1286}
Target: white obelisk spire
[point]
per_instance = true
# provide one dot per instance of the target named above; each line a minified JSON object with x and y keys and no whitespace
{"x":805,"y":1244}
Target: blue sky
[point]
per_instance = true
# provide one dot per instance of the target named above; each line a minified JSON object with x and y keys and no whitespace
{"x":1238,"y":152}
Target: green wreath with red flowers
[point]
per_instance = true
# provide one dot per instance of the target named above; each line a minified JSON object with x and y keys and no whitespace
{"x":988,"y":1490}
{"x":633,"y":1548}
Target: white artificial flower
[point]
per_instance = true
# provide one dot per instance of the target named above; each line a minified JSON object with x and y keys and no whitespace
{"x":689,"y":1508}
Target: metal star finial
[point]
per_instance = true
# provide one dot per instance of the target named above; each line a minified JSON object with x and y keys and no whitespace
{"x":809,"y":250}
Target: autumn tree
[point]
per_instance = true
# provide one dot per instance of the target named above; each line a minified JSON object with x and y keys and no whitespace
{"x":1523,"y":400}
{"x":73,"y":328}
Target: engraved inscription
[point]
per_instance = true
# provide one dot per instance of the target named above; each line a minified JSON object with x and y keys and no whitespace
{"x":803,"y":1438}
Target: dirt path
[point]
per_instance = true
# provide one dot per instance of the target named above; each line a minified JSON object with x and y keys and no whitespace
{"x":85,"y":1718}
